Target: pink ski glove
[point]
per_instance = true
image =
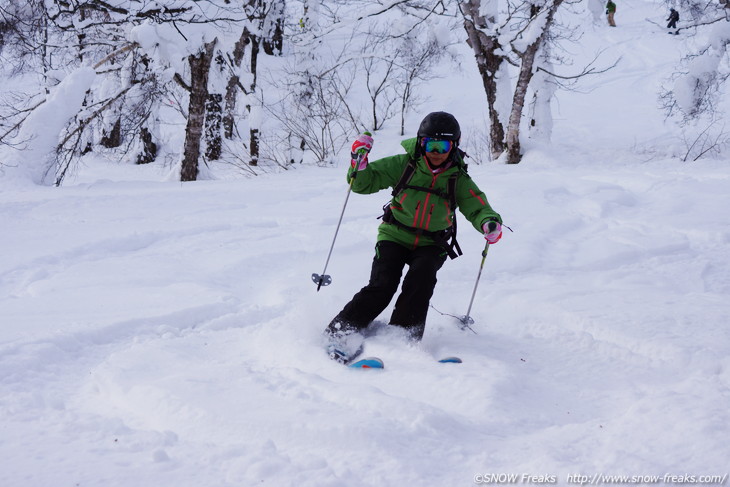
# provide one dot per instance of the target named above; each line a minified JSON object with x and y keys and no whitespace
{"x":492,"y":232}
{"x":360,"y":150}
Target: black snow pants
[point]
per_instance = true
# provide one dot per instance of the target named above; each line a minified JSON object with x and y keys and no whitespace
{"x":411,"y":307}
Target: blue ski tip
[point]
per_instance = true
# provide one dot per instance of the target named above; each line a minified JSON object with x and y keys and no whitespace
{"x":450,"y":360}
{"x":368,"y":363}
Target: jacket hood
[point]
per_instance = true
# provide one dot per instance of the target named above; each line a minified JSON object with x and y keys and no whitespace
{"x":410,"y":145}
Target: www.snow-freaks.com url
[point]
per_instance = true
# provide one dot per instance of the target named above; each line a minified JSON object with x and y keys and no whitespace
{"x":600,"y":479}
{"x":603,"y":479}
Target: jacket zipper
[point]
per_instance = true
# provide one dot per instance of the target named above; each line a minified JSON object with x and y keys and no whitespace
{"x":425,"y":203}
{"x":415,"y":216}
{"x":430,"y":212}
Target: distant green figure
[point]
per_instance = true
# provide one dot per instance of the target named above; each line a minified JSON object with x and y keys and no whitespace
{"x":610,"y":11}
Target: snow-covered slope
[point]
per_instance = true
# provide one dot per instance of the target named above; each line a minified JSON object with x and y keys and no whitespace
{"x":156,"y":333}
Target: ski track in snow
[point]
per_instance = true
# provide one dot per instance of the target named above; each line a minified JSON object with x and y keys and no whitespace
{"x":166,"y":334}
{"x":601,"y":342}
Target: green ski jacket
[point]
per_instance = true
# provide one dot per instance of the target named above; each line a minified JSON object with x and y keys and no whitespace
{"x":418,"y":209}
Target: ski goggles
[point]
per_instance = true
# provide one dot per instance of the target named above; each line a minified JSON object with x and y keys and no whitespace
{"x":439,"y":146}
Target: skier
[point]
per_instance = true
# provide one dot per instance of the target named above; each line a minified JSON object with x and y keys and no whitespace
{"x":673,"y":19}
{"x":418,"y":228}
{"x":611,"y":11}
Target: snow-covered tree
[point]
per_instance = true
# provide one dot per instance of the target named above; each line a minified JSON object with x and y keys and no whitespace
{"x":543,"y":88}
{"x":482,"y":26}
{"x":704,"y":71}
{"x":526,"y":48}
{"x":139,"y":52}
{"x":281,"y":91}
{"x":504,"y":35}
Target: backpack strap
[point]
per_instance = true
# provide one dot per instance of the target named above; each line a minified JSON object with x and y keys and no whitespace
{"x":405,"y":177}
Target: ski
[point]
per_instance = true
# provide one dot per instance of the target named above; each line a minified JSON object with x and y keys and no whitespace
{"x":352,"y":360}
{"x":367,"y":363}
{"x":376,"y":363}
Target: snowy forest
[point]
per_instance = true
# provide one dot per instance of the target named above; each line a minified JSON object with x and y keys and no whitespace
{"x":264,"y":84}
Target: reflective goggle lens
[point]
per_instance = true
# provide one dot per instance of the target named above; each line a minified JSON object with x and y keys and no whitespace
{"x":436,"y":145}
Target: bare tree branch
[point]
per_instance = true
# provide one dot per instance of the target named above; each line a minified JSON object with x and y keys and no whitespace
{"x":587,"y":71}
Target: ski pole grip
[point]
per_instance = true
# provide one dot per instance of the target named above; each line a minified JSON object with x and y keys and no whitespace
{"x":357,"y":156}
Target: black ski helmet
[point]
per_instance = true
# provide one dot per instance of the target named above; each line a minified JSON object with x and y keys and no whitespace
{"x":440,"y":125}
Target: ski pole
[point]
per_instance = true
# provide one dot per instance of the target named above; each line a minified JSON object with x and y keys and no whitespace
{"x":467,"y":320}
{"x":324,"y":279}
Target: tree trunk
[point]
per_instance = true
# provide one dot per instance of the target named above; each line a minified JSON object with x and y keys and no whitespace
{"x":518,"y":103}
{"x":254,"y":147}
{"x":274,"y":39}
{"x":81,"y":35}
{"x":3,"y":28}
{"x":233,"y":87}
{"x":199,"y":69}
{"x":149,"y":148}
{"x":403,"y":105}
{"x":213,"y":118}
{"x":254,"y":132}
